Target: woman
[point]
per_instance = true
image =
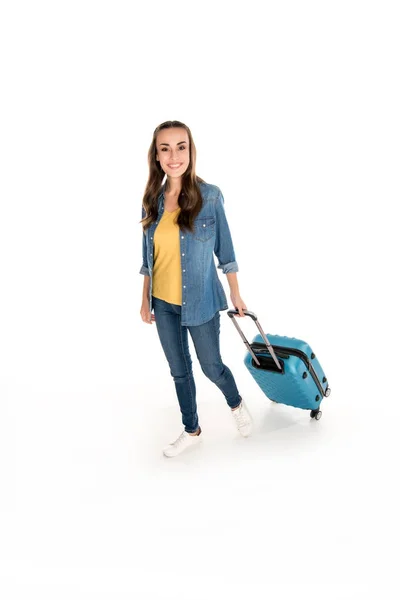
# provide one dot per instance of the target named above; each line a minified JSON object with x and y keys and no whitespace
{"x":184,"y":223}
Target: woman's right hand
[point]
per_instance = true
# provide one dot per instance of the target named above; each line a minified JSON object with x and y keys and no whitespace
{"x":145,"y":313}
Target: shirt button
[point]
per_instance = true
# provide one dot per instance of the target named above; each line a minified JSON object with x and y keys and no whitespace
{"x":184,"y":303}
{"x":183,"y":254}
{"x":184,"y":270}
{"x":182,"y":237}
{"x":184,"y":286}
{"x":203,"y":225}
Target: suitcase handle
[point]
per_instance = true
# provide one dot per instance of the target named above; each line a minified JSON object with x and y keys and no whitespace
{"x":232,"y":314}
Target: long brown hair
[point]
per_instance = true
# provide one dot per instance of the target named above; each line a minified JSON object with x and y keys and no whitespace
{"x":189,"y":200}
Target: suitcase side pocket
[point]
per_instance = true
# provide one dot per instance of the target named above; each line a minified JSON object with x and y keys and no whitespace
{"x":267,"y":363}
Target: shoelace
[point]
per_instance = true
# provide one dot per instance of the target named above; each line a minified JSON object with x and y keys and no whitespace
{"x":239,"y":416}
{"x":180,"y":439}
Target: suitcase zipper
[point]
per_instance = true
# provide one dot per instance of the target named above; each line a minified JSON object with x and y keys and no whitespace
{"x":302,"y":355}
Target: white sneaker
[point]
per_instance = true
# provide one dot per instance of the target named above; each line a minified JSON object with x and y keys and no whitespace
{"x":243,"y":419}
{"x":185,"y":440}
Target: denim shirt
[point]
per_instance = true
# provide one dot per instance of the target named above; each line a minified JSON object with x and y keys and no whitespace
{"x":202,"y":291}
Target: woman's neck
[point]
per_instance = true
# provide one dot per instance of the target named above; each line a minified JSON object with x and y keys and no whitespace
{"x":173,"y":188}
{"x":172,"y":194}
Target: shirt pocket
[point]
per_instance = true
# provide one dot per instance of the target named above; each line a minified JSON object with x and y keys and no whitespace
{"x":204,"y":229}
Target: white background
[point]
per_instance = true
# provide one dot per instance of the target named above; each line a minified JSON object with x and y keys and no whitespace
{"x":293,"y":107}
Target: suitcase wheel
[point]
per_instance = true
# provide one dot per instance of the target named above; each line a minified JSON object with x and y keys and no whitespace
{"x":327,"y":391}
{"x":316,"y":414}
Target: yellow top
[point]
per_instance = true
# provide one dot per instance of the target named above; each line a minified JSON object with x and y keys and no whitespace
{"x":167,"y":276}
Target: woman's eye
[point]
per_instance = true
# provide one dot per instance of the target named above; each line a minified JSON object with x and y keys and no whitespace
{"x":180,"y":148}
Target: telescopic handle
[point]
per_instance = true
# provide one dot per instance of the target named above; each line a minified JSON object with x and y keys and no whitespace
{"x":249,"y":313}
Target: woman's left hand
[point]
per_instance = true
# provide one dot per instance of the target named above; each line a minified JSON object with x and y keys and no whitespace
{"x":238,"y":304}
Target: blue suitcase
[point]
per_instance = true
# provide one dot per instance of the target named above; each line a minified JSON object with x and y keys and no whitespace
{"x":286,"y":369}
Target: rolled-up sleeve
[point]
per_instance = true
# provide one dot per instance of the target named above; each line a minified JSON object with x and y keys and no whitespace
{"x":223,"y":248}
{"x":144,"y":269}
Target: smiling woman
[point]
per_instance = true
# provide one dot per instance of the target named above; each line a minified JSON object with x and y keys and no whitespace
{"x":184,"y":225}
{"x":173,"y":155}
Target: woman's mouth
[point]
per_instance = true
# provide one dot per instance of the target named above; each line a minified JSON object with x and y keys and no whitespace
{"x":175,"y":166}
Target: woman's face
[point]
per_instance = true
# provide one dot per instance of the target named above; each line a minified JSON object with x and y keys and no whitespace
{"x":172,"y":150}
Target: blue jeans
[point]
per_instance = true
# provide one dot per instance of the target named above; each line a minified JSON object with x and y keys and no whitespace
{"x":174,"y":340}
